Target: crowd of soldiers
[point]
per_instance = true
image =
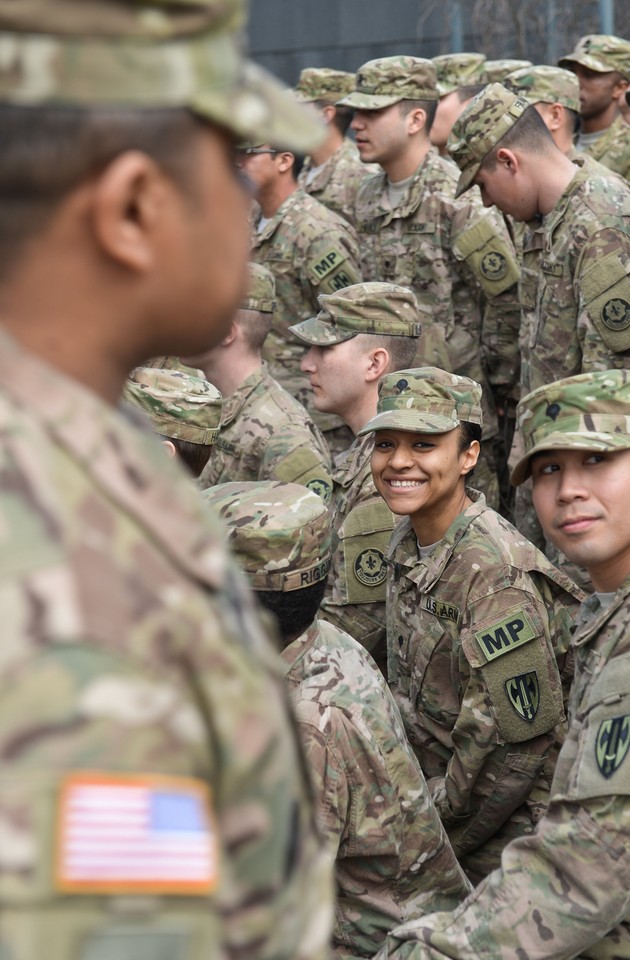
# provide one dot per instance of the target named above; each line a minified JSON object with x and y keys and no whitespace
{"x":313,"y":514}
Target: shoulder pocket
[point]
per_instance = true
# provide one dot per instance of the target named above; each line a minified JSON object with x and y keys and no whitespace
{"x":363,"y":541}
{"x":488,"y":256}
{"x":605,"y":290}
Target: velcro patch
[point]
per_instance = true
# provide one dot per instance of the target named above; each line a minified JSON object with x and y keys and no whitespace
{"x":551,"y":267}
{"x":505,"y":636}
{"x":612,"y":743}
{"x":494,"y":265}
{"x":370,"y":568}
{"x":439,"y":608}
{"x":331,"y":260}
{"x":144,"y":834}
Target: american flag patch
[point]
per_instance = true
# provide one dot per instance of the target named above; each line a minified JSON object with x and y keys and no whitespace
{"x":135,"y":834}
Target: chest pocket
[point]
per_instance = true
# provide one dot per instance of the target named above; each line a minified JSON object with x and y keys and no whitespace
{"x":363,"y":541}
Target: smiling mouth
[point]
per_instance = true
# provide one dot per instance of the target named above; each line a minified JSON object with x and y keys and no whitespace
{"x":405,"y":484}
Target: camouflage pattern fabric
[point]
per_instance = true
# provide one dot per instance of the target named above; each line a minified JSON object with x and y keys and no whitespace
{"x":455,"y":70}
{"x":267,"y":435}
{"x":562,"y":892}
{"x":127,"y":629}
{"x":600,"y":52}
{"x":612,"y":149}
{"x":337,"y":182}
{"x":388,"y":80}
{"x":178,"y":405}
{"x":477,"y":636}
{"x":544,"y":84}
{"x":495,"y":71}
{"x":393,"y":859}
{"x":309,"y":250}
{"x":261,"y":289}
{"x":323,"y":83}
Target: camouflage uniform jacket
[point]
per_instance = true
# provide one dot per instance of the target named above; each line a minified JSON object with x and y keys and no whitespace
{"x":393,"y":859}
{"x":363,"y":523}
{"x":563,"y":892}
{"x":576,"y":284}
{"x":459,"y":261}
{"x":310,"y":250}
{"x":267,"y":435}
{"x":336,"y":184}
{"x":477,"y":637}
{"x":613,"y":148}
{"x":131,"y":649}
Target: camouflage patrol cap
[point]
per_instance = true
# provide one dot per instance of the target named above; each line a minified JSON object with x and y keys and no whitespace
{"x":322,"y":83}
{"x":602,"y":53}
{"x":587,"y":412}
{"x":456,"y":70}
{"x":261,"y":289}
{"x":146,"y":54}
{"x":495,"y":71}
{"x":484,"y":121}
{"x":280,"y":532}
{"x":425,"y":400}
{"x":178,"y":405}
{"x":543,"y":84}
{"x":377,"y":308}
{"x":380,"y":83}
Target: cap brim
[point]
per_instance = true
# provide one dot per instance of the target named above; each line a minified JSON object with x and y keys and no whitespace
{"x":592,"y":63}
{"x":316,"y":332}
{"x":412,"y":421}
{"x":467,"y":179}
{"x":444,"y":88}
{"x":598,"y":442}
{"x":368,"y":101}
{"x":259,"y":108}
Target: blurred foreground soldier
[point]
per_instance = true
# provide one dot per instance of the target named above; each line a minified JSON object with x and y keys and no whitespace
{"x":265,"y":433}
{"x":310,"y":250}
{"x":564,"y":892}
{"x":477,"y":621}
{"x":456,"y":257}
{"x":460,"y":76}
{"x":184,"y":410}
{"x":333,"y":173}
{"x":495,"y":71}
{"x":392,"y":857}
{"x":358,"y":335}
{"x":602,"y":66}
{"x":152,"y":800}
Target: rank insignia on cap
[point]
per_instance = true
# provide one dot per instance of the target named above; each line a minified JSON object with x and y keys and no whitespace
{"x":370,"y":568}
{"x":616,"y":314}
{"x":121,"y":833}
{"x":523,"y":692}
{"x":611,"y":744}
{"x":494,"y":265}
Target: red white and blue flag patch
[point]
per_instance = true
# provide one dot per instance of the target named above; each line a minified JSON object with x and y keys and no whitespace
{"x":135,"y":834}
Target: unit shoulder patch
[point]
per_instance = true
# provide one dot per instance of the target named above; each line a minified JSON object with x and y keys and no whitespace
{"x":370,"y":568}
{"x":612,"y":743}
{"x":523,"y":692}
{"x":504,"y":636}
{"x":494,"y":265}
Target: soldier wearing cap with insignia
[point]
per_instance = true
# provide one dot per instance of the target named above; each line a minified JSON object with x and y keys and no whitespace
{"x":310,"y":250}
{"x":602,"y":66}
{"x":563,"y":892}
{"x":495,"y":71}
{"x":478,"y":621}
{"x":457,"y":258}
{"x":153,"y":801}
{"x":392,"y":856}
{"x":460,"y":76}
{"x":333,"y":173}
{"x":358,"y":335}
{"x":265,"y":433}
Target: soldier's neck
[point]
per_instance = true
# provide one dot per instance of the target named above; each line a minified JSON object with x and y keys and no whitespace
{"x":602,"y":120}
{"x":404,"y":166}
{"x":274,"y":195}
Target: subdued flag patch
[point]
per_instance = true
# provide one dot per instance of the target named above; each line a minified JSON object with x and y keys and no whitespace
{"x":135,"y":834}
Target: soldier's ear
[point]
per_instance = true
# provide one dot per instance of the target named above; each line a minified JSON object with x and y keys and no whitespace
{"x":169,"y":446}
{"x":508,"y":159}
{"x":379,"y":364}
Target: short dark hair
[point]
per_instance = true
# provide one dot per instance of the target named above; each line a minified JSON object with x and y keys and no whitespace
{"x":467,"y":433}
{"x":298,"y":163}
{"x":530,"y":132}
{"x":429,"y":107}
{"x":294,"y":610}
{"x":575,"y":122}
{"x":255,"y":326}
{"x":342,"y":118}
{"x":49,"y":151}
{"x":194,"y":455}
{"x":402,"y":350}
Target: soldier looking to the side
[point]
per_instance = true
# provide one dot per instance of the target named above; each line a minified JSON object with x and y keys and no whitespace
{"x":565,"y":891}
{"x":478,"y":621}
{"x":392,"y":857}
{"x":358,"y":335}
{"x":460,"y":76}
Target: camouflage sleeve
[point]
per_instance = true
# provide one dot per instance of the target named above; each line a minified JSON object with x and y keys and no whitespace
{"x":333,"y":262}
{"x":299,"y":458}
{"x":564,"y":890}
{"x":602,"y":284}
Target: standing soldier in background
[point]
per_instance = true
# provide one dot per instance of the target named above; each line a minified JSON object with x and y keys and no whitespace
{"x":495,"y":71}
{"x":456,"y":257}
{"x":152,"y":796}
{"x":460,"y":76}
{"x":602,"y":66}
{"x":333,"y":173}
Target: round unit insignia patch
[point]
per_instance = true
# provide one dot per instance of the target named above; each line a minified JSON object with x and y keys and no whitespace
{"x":616,"y":314}
{"x":321,"y":487}
{"x":494,"y":266}
{"x":370,"y":568}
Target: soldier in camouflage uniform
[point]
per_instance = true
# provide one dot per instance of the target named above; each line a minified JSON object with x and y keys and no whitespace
{"x":393,"y":858}
{"x":495,"y":71}
{"x":184,"y":410}
{"x":359,"y":334}
{"x":310,"y":250}
{"x":265,"y":433}
{"x":152,"y":795}
{"x":478,"y":621}
{"x":334,"y":172}
{"x":564,"y":891}
{"x":459,"y":78}
{"x":602,"y":66}
{"x":457,"y":258}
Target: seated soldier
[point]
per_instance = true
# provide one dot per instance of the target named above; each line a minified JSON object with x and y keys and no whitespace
{"x":185,"y":411}
{"x":265,"y":433}
{"x":478,"y":621}
{"x":393,"y":858}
